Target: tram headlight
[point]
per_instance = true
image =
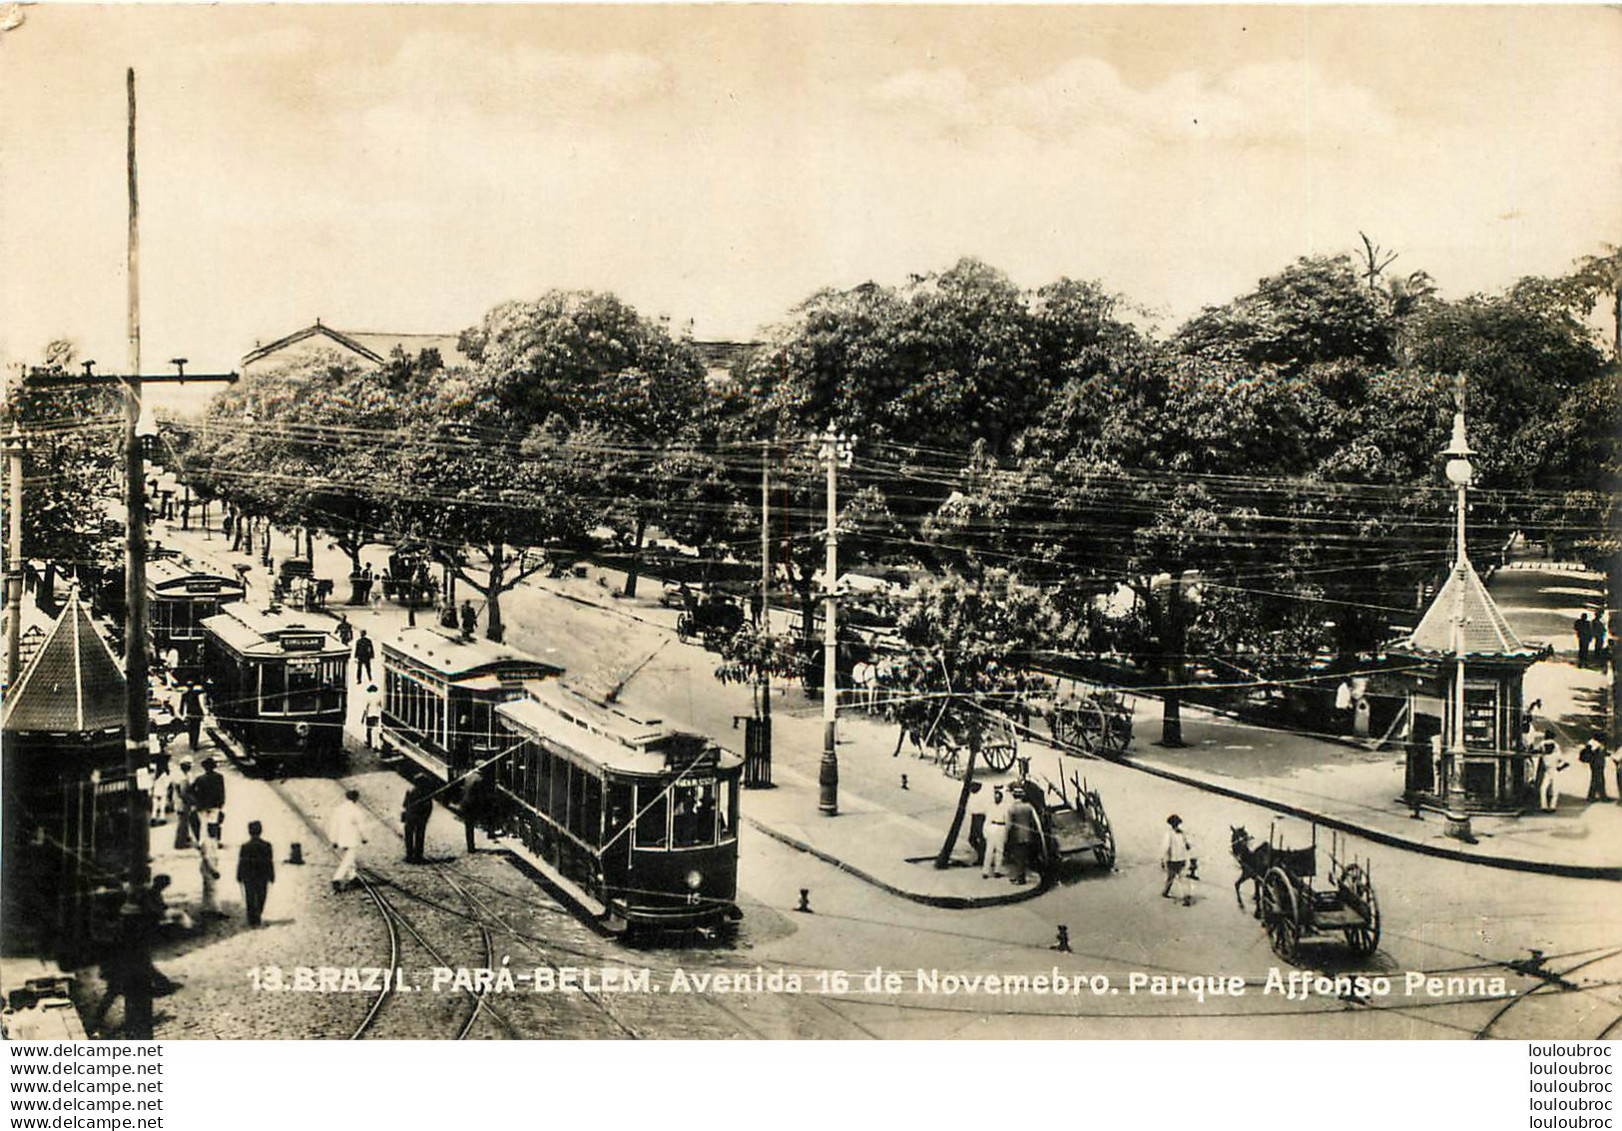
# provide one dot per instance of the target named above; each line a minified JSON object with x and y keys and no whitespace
{"x":694,"y":879}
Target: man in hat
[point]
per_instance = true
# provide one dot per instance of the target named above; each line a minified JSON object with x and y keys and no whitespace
{"x":1175,"y":859}
{"x":191,"y":712}
{"x":345,"y":831}
{"x":414,"y":814}
{"x":371,"y":713}
{"x":256,"y":871}
{"x":996,"y":833}
{"x":364,"y":651}
{"x":1593,"y":756}
{"x":1025,"y":846}
{"x":181,"y":791}
{"x":208,"y":798}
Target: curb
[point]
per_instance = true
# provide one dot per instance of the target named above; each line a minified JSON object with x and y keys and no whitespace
{"x":950,"y":902}
{"x":1507,"y":863}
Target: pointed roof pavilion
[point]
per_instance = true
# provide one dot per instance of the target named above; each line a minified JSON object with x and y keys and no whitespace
{"x":73,"y":684}
{"x":1487,"y":635}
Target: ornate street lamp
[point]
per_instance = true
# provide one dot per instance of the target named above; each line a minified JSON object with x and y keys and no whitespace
{"x":1460,"y":471}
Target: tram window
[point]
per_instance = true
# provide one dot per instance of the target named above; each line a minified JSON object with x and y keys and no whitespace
{"x":652,"y":816}
{"x":543,"y":780}
{"x":272,"y":689}
{"x":694,"y":819}
{"x":303,"y":685}
{"x":619,"y":809}
{"x":558,"y":806}
{"x":727,"y":811}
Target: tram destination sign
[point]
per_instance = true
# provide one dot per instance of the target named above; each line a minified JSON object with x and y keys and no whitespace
{"x":303,"y":641}
{"x":202,"y":586}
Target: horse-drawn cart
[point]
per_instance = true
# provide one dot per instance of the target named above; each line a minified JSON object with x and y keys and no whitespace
{"x":1078,"y":826}
{"x":1099,"y":722}
{"x":1292,"y":908}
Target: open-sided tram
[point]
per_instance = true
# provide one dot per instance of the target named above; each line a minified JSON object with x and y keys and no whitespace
{"x":277,"y":684}
{"x":180,"y":599}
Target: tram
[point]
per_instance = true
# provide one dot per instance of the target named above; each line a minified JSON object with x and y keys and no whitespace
{"x":440,"y":692}
{"x":180,"y":600}
{"x":634,"y":818}
{"x":278,"y":685}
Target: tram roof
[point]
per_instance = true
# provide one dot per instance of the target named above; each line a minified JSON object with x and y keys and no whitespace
{"x":457,"y":658}
{"x":259,"y":632}
{"x":607,"y":733}
{"x":165,"y":572}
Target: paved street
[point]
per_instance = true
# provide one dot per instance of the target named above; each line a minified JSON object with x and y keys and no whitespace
{"x":1440,"y":916}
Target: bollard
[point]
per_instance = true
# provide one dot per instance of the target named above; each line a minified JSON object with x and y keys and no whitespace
{"x":1063,"y":945}
{"x":295,"y":853}
{"x":805,"y":901}
{"x":903,"y":781}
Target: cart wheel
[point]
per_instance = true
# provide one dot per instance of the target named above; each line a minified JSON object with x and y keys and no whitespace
{"x":1106,"y":845}
{"x":1280,"y":914}
{"x":999,"y":757}
{"x":1363,"y":940}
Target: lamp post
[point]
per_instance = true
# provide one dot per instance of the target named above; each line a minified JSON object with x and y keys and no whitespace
{"x":835,"y":453}
{"x":15,"y":445}
{"x":1459,"y":472}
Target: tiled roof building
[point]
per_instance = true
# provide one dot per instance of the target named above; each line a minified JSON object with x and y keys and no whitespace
{"x":1487,"y":634}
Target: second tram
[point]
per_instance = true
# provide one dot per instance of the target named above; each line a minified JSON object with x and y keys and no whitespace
{"x":180,"y":600}
{"x":278,"y":685}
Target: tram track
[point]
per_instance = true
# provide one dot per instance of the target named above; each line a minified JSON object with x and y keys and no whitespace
{"x":1548,"y":981}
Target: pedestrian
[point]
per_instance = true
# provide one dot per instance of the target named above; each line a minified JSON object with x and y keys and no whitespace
{"x":979,"y":805}
{"x":345,"y":632}
{"x":208,"y":798}
{"x":1592,"y":755}
{"x":1175,"y":859}
{"x":473,"y":806}
{"x":256,"y":871}
{"x":208,"y":865}
{"x":371,"y":713}
{"x":415,"y":812}
{"x":1585,"y":635}
{"x":1599,"y":632}
{"x":1343,"y":704}
{"x":1547,"y":765}
{"x":191,"y":712}
{"x":345,"y":832}
{"x":128,"y":966}
{"x":181,"y":795}
{"x":1025,"y":846}
{"x":996,"y":833}
{"x":364,"y":651}
{"x":470,"y":619}
{"x":1616,"y":763}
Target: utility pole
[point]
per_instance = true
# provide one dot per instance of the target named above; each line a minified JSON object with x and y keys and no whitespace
{"x":835,"y":452}
{"x":15,"y":447}
{"x":132,"y":926}
{"x":765,"y":626}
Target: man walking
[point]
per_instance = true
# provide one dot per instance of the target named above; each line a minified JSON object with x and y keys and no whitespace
{"x":371,"y":713}
{"x":470,"y":619}
{"x":996,"y":833}
{"x":1024,"y":836}
{"x":414,"y":814}
{"x":345,"y":632}
{"x":256,"y":871}
{"x":181,"y":788}
{"x":208,"y":864}
{"x":191,"y":712}
{"x":364,"y":651}
{"x":1175,"y":859}
{"x":345,"y":832}
{"x":473,"y":806}
{"x":1547,"y":765}
{"x":208,"y":799}
{"x":1593,"y":756}
{"x":1585,"y":636}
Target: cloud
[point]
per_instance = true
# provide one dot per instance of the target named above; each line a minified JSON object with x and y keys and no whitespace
{"x":523,"y":77}
{"x":1279,"y":102}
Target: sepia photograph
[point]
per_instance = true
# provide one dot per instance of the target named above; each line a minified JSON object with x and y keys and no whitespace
{"x":785,"y":521}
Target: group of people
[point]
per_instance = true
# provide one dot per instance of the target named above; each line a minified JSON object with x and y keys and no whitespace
{"x":1005,"y":828}
{"x":347,"y":827}
{"x":1592,"y":636}
{"x":1548,"y":759}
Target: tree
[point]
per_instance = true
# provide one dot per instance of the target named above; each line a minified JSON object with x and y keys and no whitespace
{"x":71,"y":470}
{"x":965,"y":633}
{"x":620,"y":389}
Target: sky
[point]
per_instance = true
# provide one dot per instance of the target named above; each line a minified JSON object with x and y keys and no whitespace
{"x":405,"y":168}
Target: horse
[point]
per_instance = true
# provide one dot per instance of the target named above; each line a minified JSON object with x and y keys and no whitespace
{"x":1253,"y":865}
